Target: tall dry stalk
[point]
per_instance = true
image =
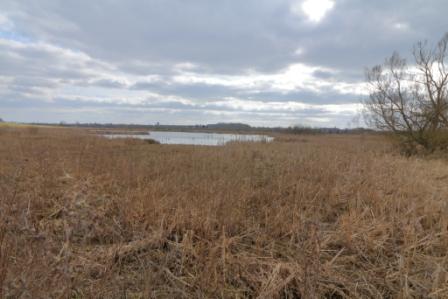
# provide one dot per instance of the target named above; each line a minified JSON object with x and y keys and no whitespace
{"x":321,"y":217}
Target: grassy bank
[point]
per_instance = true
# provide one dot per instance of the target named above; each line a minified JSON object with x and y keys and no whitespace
{"x":302,"y":217}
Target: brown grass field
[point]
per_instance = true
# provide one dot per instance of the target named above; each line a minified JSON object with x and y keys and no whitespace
{"x":301,"y":217}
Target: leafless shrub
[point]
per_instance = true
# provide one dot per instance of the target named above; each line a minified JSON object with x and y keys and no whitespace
{"x":412,"y":101}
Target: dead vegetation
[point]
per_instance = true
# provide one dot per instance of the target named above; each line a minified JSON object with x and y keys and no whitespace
{"x":323,"y":217}
{"x":411,"y":101}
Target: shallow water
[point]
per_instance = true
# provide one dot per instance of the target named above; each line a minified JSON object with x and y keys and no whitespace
{"x":195,"y":138}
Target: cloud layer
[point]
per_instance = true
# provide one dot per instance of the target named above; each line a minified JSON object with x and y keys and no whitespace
{"x":261,"y":62}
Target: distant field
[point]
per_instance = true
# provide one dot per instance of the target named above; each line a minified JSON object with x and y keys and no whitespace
{"x":19,"y":125}
{"x":301,"y":217}
{"x":8,"y":124}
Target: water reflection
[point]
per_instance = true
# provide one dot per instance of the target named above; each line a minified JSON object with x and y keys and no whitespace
{"x":195,"y":138}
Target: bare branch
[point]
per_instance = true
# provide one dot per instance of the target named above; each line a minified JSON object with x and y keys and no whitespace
{"x":411,"y":101}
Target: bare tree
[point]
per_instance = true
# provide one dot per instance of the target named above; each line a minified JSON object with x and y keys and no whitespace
{"x":411,"y":100}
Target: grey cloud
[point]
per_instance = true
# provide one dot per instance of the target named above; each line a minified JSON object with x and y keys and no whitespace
{"x":323,"y":74}
{"x":219,"y":35}
{"x":37,"y":60}
{"x":85,"y":46}
{"x":308,"y":97}
{"x":211,"y":92}
{"x":361,"y":33}
{"x":167,"y":113}
{"x":195,"y":91}
{"x":229,"y":36}
{"x":108,"y":83}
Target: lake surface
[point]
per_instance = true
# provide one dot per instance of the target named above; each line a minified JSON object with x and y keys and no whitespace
{"x":196,"y":138}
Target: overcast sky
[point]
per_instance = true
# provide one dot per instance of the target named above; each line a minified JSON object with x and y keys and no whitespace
{"x":261,"y":62}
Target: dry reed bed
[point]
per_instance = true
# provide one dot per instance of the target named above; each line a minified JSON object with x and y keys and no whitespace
{"x":302,"y":217}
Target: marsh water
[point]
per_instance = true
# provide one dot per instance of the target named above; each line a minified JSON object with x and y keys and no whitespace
{"x":195,"y":138}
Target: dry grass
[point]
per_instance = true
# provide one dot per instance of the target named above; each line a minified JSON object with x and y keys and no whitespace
{"x":302,"y":217}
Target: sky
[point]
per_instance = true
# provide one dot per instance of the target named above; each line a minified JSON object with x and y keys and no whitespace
{"x":260,"y":62}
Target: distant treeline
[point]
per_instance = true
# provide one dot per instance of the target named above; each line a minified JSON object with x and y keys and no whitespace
{"x":225,"y":127}
{"x":311,"y":130}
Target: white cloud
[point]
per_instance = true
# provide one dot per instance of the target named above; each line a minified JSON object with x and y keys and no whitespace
{"x":299,"y":51}
{"x":295,"y":76}
{"x":5,"y":23}
{"x":185,"y":66}
{"x":315,"y":10}
{"x":402,"y":26}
